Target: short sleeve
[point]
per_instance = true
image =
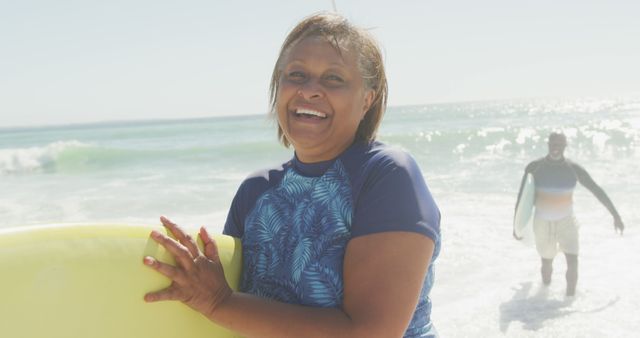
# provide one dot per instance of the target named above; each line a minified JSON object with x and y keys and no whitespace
{"x":234,"y":225}
{"x":395,"y":197}
{"x":246,"y":196}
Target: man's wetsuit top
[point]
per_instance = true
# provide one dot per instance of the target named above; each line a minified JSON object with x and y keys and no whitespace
{"x":560,"y":177}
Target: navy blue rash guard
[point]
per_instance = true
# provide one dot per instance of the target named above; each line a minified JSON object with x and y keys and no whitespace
{"x":295,"y":222}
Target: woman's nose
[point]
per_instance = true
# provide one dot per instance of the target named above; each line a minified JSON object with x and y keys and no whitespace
{"x":311,"y":90}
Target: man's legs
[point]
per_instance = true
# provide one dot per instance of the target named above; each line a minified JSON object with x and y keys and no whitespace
{"x":572,"y":273}
{"x":546,"y":270}
{"x":568,"y":235}
{"x":546,"y":245}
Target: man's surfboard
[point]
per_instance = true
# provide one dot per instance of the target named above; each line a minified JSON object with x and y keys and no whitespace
{"x":89,"y":281}
{"x":524,"y":212}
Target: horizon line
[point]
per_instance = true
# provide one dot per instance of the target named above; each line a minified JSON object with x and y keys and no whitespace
{"x":160,"y":120}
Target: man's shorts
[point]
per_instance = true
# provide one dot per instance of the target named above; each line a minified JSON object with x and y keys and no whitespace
{"x":553,"y":236}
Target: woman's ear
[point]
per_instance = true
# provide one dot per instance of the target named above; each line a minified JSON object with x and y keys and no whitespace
{"x":368,"y":100}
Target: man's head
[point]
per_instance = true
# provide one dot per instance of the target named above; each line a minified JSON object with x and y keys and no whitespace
{"x":557,"y":143}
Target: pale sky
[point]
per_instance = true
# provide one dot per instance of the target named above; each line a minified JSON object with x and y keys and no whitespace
{"x":66,"y":61}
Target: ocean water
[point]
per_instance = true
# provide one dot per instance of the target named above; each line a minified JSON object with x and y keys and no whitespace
{"x":472,"y":156}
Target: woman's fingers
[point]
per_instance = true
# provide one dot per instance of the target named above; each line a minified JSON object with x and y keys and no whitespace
{"x":180,"y":252}
{"x":210,"y":246}
{"x":169,"y":293}
{"x":198,"y":279}
{"x":182,"y":237}
{"x":166,"y":269}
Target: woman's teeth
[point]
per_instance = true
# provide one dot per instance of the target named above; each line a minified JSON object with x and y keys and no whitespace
{"x":308,"y":112}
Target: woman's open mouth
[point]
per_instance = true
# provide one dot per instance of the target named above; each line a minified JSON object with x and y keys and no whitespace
{"x":310,"y":114}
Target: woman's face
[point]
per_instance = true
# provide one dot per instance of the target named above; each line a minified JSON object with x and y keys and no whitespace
{"x":321,"y":99}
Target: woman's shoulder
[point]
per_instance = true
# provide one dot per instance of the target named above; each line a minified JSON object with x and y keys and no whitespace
{"x":380,"y":155}
{"x":263,"y":178}
{"x":377,"y":161}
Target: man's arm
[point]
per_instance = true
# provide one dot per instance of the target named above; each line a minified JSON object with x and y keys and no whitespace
{"x":585,"y":179}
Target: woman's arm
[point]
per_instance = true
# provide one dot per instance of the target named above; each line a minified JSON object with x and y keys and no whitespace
{"x":383,"y":278}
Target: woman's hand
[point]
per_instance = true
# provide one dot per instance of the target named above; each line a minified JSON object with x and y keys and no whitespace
{"x":198,"y":278}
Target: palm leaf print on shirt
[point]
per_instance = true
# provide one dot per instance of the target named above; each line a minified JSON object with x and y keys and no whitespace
{"x":295,"y":239}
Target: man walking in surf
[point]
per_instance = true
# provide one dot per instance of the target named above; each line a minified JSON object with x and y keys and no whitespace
{"x":554,"y":224}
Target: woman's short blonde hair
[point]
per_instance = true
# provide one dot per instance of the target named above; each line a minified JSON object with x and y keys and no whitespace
{"x":342,"y":35}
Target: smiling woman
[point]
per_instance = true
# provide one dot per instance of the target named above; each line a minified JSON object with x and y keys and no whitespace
{"x":349,"y":48}
{"x":321,"y":99}
{"x":335,"y":239}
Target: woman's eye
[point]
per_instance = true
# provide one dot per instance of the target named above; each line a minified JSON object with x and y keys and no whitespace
{"x":296,"y":76}
{"x":334,"y":79}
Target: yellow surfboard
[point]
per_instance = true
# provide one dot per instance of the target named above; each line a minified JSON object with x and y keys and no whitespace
{"x":89,"y":281}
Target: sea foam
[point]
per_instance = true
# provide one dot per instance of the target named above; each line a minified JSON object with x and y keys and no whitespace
{"x":34,"y":159}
